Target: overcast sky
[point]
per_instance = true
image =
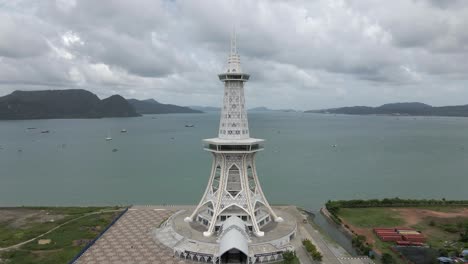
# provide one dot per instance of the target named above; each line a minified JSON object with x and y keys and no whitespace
{"x":301,"y":54}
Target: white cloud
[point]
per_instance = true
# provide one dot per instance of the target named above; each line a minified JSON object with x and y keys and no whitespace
{"x":71,"y":38}
{"x":302,"y":54}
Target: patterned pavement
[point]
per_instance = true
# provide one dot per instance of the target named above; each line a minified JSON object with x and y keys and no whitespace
{"x":130,"y":240}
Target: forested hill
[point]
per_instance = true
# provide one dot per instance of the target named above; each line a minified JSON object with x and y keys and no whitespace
{"x":410,"y":109}
{"x":151,"y":106}
{"x":73,"y":103}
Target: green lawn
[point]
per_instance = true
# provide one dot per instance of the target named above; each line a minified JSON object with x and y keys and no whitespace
{"x":437,"y":230}
{"x":10,"y":235}
{"x":67,"y":240}
{"x":371,"y":217}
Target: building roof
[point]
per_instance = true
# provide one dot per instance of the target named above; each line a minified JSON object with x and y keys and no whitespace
{"x":247,"y":141}
{"x":445,"y":260}
{"x":233,"y":236}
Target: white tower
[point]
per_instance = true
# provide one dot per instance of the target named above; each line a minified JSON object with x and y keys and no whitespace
{"x":233,"y":188}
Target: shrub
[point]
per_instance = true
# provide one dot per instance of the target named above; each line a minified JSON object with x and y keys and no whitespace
{"x":387,"y":259}
{"x":312,"y":250}
{"x":317,"y":256}
{"x":450,"y":228}
{"x":289,"y":257}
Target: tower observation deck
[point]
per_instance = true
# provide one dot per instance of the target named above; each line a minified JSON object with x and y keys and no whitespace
{"x":233,"y":188}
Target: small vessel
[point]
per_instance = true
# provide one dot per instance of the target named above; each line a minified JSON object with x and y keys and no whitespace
{"x":45,"y":131}
{"x":123,"y":131}
{"x":115,"y":150}
{"x":108,"y":138}
{"x":334,"y":145}
{"x":189,"y":125}
{"x":30,"y":128}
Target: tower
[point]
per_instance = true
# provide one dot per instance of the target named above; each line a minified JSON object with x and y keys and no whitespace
{"x":233,"y":187}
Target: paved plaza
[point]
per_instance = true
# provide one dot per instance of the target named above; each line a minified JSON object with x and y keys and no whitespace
{"x":129,"y":240}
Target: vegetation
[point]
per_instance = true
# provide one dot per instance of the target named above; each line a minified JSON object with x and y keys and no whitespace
{"x":360,"y":244}
{"x":443,"y":222}
{"x":151,"y":106}
{"x":392,"y":202}
{"x":289,"y":257}
{"x":33,"y":227}
{"x":410,"y":109}
{"x":387,"y":259}
{"x":73,"y":103}
{"x":65,"y":242}
{"x":334,"y":207}
{"x":371,"y":217}
{"x":312,"y":250}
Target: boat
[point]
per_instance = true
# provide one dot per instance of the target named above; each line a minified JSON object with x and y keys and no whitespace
{"x":108,"y":138}
{"x":123,"y":131}
{"x":45,"y":131}
{"x":115,"y":150}
{"x":190,"y":125}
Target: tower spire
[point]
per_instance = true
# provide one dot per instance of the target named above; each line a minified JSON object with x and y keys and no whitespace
{"x":233,"y":41}
{"x":233,"y":63}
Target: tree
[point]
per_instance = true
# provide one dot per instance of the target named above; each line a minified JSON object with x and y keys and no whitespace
{"x":289,"y":257}
{"x":387,"y":259}
{"x":464,"y":235}
{"x":317,"y":256}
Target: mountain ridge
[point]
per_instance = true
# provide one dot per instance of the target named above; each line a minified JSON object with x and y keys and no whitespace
{"x":151,"y":106}
{"x":69,"y":103}
{"x":400,"y":108}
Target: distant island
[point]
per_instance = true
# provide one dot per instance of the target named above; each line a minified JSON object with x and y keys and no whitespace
{"x":78,"y":103}
{"x":404,"y":109}
{"x":73,"y":103}
{"x":266,"y":109}
{"x":151,"y":106}
{"x":205,"y":108}
{"x":255,"y":109}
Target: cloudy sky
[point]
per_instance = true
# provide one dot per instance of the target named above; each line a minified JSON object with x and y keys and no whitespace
{"x":303,"y":54}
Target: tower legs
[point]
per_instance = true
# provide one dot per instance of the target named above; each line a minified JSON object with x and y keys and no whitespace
{"x":231,"y":194}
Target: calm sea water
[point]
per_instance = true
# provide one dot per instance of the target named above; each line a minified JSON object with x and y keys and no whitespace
{"x":160,"y":161}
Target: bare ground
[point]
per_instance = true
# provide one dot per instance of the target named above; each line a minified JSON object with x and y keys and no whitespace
{"x":411,"y":217}
{"x":21,"y":217}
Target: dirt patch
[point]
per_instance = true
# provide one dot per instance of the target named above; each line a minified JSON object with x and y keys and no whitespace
{"x":21,"y":217}
{"x":413,"y":216}
{"x":81,"y":242}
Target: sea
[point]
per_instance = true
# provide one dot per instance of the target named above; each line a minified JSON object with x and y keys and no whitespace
{"x":308,"y":159}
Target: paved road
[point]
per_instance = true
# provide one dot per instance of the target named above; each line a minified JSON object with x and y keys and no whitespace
{"x":306,"y":231}
{"x":332,"y":253}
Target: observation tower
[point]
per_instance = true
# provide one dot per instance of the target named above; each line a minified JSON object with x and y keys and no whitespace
{"x":233,"y":222}
{"x":233,"y":188}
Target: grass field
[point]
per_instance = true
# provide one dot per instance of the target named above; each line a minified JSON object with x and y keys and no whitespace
{"x":371,"y":217}
{"x":441,"y":225}
{"x":21,"y":224}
